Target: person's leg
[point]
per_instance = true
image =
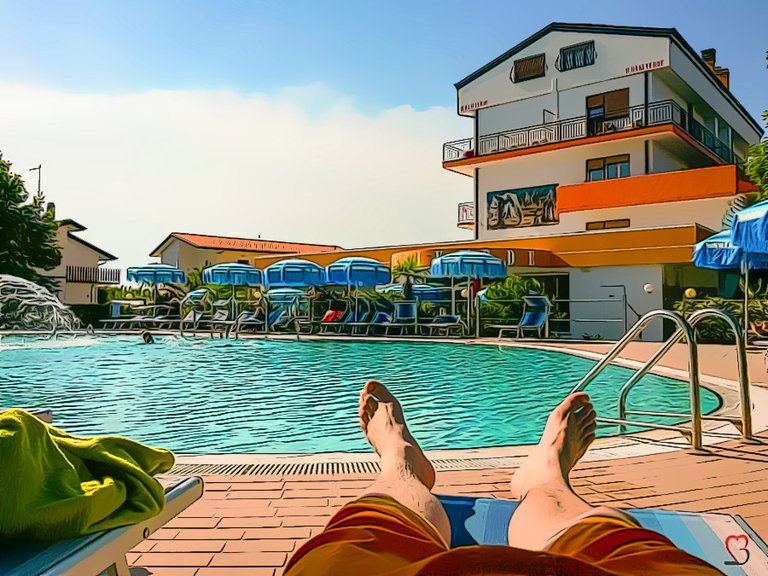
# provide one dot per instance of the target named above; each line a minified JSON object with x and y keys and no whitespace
{"x":548,"y":504}
{"x":406,"y":476}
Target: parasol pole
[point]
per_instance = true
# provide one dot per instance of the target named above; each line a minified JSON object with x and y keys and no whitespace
{"x":745,"y":265}
{"x":453,"y":298}
{"x":469,"y":300}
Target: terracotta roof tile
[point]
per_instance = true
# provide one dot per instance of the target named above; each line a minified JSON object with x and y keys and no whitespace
{"x":248,"y":244}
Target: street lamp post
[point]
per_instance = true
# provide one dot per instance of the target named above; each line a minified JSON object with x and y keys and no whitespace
{"x":39,"y":169}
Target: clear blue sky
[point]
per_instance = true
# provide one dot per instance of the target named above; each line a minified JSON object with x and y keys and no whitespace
{"x":381,"y":54}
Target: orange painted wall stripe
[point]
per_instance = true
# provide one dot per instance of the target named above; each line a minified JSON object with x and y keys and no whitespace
{"x":676,"y":186}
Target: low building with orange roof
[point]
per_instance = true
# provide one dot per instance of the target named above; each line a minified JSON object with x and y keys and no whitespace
{"x":188,"y":251}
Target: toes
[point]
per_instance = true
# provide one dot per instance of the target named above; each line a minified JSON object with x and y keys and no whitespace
{"x":381,"y":392}
{"x":366,"y":409}
{"x":585,"y":414}
{"x":571,"y":403}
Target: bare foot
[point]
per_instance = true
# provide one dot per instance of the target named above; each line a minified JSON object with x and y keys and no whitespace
{"x":382,"y":420}
{"x":569,"y":431}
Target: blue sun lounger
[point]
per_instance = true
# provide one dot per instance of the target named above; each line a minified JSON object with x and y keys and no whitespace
{"x":486,"y":521}
{"x":535,"y":317}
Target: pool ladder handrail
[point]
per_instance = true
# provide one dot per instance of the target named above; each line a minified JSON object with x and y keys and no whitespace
{"x":686,"y":329}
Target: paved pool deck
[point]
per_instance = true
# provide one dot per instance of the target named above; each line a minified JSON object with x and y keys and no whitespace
{"x":250,"y":524}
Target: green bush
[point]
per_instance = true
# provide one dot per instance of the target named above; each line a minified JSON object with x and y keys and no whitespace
{"x":714,"y":331}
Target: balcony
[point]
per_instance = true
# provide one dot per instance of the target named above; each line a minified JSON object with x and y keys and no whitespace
{"x":678,"y":186}
{"x":466,"y":215}
{"x":92,"y":275}
{"x":572,"y":129}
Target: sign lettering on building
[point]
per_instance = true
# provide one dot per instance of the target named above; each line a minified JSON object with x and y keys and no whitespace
{"x":644,"y":66}
{"x":473,"y":105}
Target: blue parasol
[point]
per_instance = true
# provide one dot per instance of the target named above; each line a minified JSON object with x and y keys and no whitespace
{"x":294,"y":272}
{"x":233,"y":274}
{"x":720,"y":252}
{"x":468,"y":264}
{"x":750,"y":228}
{"x":358,"y":271}
{"x":157,"y":274}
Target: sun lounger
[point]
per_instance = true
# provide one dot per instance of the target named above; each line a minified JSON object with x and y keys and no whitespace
{"x":535,"y":317}
{"x":101,"y":553}
{"x":445,"y":323}
{"x":486,"y":521}
{"x":405,"y":317}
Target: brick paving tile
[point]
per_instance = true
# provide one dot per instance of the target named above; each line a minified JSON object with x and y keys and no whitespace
{"x":255,"y":505}
{"x":250,"y":559}
{"x":311,"y":521}
{"x":233,"y":571}
{"x":303,"y":511}
{"x":254,"y":494}
{"x":250,"y":522}
{"x":144,"y":546}
{"x":169,"y":571}
{"x":286,"y":545}
{"x":187,"y":522}
{"x":164,"y":534}
{"x":305,"y":502}
{"x":190,"y":545}
{"x":175,"y":559}
{"x":315,"y":492}
{"x":213,"y":534}
{"x":276,"y":533}
{"x":256,"y":484}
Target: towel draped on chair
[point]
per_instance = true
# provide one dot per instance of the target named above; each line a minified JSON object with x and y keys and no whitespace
{"x":55,"y":485}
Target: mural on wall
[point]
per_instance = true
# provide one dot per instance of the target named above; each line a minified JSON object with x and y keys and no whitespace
{"x":533,"y":206}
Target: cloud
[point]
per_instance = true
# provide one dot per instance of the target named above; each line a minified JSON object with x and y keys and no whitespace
{"x":300,"y":165}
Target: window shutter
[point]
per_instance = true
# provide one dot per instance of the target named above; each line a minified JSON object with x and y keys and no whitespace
{"x":594,"y":164}
{"x":529,"y":68}
{"x":595,"y":101}
{"x":617,"y":102}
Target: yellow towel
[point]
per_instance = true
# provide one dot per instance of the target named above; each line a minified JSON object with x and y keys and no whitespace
{"x":54,"y":485}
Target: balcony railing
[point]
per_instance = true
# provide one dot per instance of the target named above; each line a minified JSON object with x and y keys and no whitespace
{"x":655,"y":113}
{"x":466,"y":214}
{"x":92,"y":275}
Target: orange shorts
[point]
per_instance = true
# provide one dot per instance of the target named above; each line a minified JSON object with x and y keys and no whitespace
{"x":379,"y":536}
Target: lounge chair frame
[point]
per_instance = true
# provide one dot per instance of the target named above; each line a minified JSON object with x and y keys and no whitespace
{"x":102,"y":553}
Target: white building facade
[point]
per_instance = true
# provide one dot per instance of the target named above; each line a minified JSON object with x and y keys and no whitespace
{"x":583,"y":131}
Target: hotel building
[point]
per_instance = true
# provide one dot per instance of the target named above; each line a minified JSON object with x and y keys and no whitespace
{"x":590,"y":140}
{"x":599,"y":156}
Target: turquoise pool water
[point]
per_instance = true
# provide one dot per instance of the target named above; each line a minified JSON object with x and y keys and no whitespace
{"x":279,"y":396}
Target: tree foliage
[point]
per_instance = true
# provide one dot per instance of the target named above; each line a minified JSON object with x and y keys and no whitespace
{"x":757,"y":165}
{"x":27,"y":230}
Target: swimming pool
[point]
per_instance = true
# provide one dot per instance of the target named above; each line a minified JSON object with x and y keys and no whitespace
{"x":288,"y":396}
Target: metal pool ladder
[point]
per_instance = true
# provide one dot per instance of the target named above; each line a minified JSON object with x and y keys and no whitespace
{"x":685,"y":330}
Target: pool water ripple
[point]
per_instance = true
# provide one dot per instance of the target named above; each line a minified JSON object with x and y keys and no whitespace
{"x":288,"y":396}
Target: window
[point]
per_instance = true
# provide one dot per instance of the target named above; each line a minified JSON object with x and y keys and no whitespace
{"x":528,"y":68}
{"x":608,"y":224}
{"x":609,"y":104}
{"x":576,"y":56}
{"x":608,"y":168}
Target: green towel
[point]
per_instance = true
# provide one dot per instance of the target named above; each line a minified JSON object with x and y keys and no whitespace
{"x":54,"y":485}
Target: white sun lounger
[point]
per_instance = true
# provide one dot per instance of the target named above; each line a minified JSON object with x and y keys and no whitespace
{"x":102,"y":553}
